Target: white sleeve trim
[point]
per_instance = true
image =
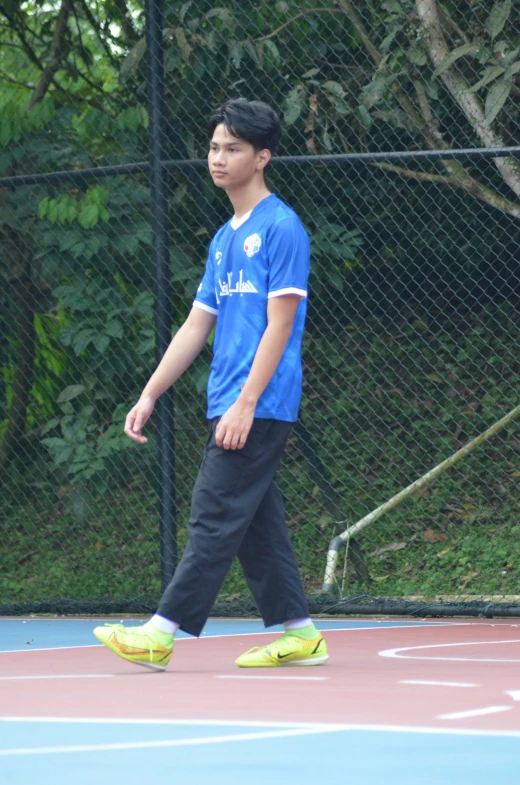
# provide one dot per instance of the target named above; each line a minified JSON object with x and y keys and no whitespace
{"x":204,"y":307}
{"x":289,"y":290}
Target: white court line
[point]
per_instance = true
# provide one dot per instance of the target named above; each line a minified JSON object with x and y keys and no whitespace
{"x":248,"y":634}
{"x":275,"y":678}
{"x":397,"y":652}
{"x":462,"y":715}
{"x":440,"y":683}
{"x":140,"y":745}
{"x":68,"y":676}
{"x":515,"y":694}
{"x":167,"y":721}
{"x":54,"y":648}
{"x":311,"y":727}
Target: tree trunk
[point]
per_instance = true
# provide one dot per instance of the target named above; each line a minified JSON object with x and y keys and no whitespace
{"x":458,"y":176}
{"x":55,"y":54}
{"x":428,"y":13}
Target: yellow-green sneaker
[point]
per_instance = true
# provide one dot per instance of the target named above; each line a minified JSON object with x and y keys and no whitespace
{"x":287,"y":650}
{"x":143,"y":645}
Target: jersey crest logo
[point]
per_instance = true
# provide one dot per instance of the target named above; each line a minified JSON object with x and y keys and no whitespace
{"x":252,"y":245}
{"x":218,"y":257}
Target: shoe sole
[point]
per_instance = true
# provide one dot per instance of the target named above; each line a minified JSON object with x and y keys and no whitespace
{"x":293,"y":663}
{"x":315,"y":661}
{"x":150,"y":665}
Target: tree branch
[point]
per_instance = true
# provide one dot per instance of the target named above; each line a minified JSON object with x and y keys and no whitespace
{"x":455,"y":83}
{"x":453,"y":24}
{"x":467,"y":184}
{"x":459,"y":177}
{"x":413,"y":174}
{"x":427,"y":126}
{"x":299,"y":16}
{"x":358,"y":23}
{"x":9,"y":79}
{"x":90,"y":18}
{"x":126,"y":21}
{"x":12,"y":46}
{"x":54,"y":63}
{"x":20,"y":32}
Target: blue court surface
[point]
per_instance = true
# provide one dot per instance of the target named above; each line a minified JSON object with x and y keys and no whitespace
{"x":18,"y":634}
{"x":49,"y":748}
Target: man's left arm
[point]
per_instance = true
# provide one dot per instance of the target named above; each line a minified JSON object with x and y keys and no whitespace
{"x":234,"y":426}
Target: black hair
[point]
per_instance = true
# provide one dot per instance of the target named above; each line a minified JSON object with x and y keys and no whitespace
{"x":252,"y":121}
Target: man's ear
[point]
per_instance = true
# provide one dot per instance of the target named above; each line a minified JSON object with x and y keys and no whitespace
{"x":262,"y":159}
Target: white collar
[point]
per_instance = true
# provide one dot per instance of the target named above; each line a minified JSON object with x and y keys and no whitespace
{"x":236,"y":223}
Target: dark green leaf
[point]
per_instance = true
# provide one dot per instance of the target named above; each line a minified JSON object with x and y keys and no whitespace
{"x":490,"y":74}
{"x":498,"y":17}
{"x":101,"y":342}
{"x":53,"y":442}
{"x":115,"y":329}
{"x":71,"y":392}
{"x":294,"y":104}
{"x":465,"y":50}
{"x":417,"y":56}
{"x":374,"y":91}
{"x":335,"y":88}
{"x":272,"y":56}
{"x":496,"y":98}
{"x":50,"y":425}
{"x":133,"y":60}
{"x":202,"y":380}
{"x":363,"y":115}
{"x":63,"y":455}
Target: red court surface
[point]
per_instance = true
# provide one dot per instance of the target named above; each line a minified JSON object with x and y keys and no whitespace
{"x":460,"y":678}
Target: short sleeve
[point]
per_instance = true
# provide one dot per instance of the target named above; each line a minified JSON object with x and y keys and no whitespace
{"x":289,"y":258}
{"x":205,"y":298}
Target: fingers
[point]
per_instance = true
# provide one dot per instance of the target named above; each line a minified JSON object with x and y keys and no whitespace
{"x":133,"y":424}
{"x":229,"y":438}
{"x":138,"y":422}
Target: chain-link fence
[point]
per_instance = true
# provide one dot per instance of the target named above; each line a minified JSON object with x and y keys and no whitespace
{"x":413,"y":327}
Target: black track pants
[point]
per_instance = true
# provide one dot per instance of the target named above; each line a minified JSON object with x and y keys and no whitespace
{"x":237,"y":510}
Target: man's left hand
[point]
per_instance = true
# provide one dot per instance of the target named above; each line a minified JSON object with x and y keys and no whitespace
{"x":234,"y":426}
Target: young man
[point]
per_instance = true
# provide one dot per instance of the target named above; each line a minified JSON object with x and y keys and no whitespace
{"x":254,"y":291}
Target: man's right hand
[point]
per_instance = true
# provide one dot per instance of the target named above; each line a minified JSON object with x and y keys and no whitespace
{"x":137,"y":417}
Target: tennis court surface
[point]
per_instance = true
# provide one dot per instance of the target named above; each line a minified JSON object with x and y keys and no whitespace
{"x":399,"y":703}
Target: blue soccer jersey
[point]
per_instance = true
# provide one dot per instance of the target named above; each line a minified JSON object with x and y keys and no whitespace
{"x":264,"y":254}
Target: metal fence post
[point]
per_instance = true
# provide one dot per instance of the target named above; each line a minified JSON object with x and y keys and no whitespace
{"x":163,"y":317}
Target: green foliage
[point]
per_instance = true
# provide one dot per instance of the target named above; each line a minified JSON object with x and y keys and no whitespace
{"x":396,"y":413}
{"x":399,"y":245}
{"x":335,"y":250}
{"x":498,"y":17}
{"x":87,"y":211}
{"x":17,"y":121}
{"x":84,"y":448}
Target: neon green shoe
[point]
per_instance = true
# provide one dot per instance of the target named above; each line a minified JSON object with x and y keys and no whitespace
{"x":143,"y":645}
{"x":287,"y":650}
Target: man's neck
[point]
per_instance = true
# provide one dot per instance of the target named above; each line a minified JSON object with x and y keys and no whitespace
{"x":245,"y":199}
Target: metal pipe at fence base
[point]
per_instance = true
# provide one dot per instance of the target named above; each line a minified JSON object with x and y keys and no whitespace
{"x":341,"y":539}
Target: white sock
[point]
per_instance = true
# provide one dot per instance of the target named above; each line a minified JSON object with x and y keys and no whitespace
{"x":164,"y":625}
{"x":297,"y":624}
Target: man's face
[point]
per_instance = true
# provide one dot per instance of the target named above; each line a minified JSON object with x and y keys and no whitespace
{"x":233,"y":162}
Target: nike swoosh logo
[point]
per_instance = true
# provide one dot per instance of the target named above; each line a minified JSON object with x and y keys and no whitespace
{"x":317,"y":646}
{"x":283,"y":656}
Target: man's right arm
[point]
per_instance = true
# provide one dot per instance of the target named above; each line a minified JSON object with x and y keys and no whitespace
{"x":187,"y":343}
